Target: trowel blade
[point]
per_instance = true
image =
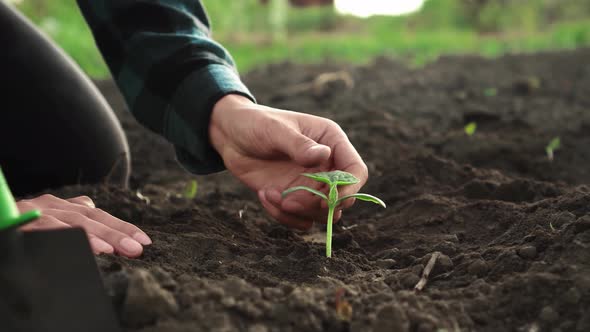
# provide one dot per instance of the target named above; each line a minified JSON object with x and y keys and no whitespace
{"x":68,"y":293}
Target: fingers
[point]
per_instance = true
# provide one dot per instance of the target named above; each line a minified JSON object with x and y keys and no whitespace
{"x":121,"y":242}
{"x":82,"y":200}
{"x":282,"y":217}
{"x":102,"y":217}
{"x":49,"y":222}
{"x":300,"y":211}
{"x":300,"y":148}
{"x":347,"y":159}
{"x":99,"y":246}
{"x":120,"y":225}
{"x":106,"y":234}
{"x":45,"y":223}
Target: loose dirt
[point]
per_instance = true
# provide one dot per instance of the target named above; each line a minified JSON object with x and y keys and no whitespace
{"x":511,"y":229}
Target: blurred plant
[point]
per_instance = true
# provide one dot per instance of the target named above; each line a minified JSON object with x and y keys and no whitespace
{"x":333,"y":180}
{"x":470,"y":128}
{"x":490,"y":92}
{"x":554,"y":144}
{"x":190,"y":192}
{"x":278,"y":15}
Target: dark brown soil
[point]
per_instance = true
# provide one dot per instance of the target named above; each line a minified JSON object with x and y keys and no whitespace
{"x":511,"y":227}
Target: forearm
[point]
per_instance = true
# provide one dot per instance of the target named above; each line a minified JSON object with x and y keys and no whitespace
{"x":168,"y":68}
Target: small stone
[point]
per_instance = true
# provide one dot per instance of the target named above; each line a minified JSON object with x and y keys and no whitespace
{"x":527,"y":252}
{"x":240,"y":288}
{"x":409,"y":280}
{"x":417,"y":269}
{"x":391,"y":317}
{"x":443,"y":264}
{"x":446,"y":247}
{"x":392,"y":253}
{"x":572,"y":296}
{"x":478,"y":267}
{"x":257,"y":328}
{"x":451,"y":238}
{"x":385,"y":263}
{"x":146,"y":300}
{"x":272,"y":293}
{"x":164,"y":278}
{"x":548,"y":315}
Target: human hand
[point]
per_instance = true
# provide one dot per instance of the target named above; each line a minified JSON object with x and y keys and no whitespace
{"x":106,"y":234}
{"x":268,"y":149}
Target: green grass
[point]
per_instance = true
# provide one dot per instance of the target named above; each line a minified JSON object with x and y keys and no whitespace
{"x":318,"y":34}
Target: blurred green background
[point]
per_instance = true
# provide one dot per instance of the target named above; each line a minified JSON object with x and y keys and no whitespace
{"x":257,"y":34}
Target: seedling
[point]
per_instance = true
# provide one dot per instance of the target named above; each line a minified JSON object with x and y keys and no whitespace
{"x":553,"y":145}
{"x":470,"y":128}
{"x":190,"y":192}
{"x":333,"y":180}
{"x":490,"y":92}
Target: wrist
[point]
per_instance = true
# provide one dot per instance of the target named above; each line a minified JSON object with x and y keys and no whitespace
{"x":221,"y":113}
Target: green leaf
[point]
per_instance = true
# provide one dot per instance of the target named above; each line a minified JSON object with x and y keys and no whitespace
{"x":337,"y":177}
{"x":191,"y":190}
{"x":313,"y":191}
{"x":470,"y":128}
{"x":363,"y":197}
{"x":490,"y":92}
{"x":554,"y":144}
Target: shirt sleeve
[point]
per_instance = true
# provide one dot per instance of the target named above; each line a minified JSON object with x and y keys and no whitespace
{"x":168,"y":68}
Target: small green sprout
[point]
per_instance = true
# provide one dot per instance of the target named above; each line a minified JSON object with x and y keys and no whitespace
{"x":490,"y":92}
{"x":190,"y":192}
{"x":333,"y":180}
{"x":470,"y":128}
{"x":553,"y":145}
{"x":534,"y":82}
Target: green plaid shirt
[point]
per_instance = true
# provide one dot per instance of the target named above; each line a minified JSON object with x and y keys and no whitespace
{"x":171,"y":72}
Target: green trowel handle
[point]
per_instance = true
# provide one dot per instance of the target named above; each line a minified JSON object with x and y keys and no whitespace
{"x":9,"y":214}
{"x":22,"y":219}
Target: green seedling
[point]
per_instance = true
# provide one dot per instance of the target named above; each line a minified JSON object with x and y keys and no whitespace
{"x":490,"y":92}
{"x":333,"y":180}
{"x":553,"y":145}
{"x":470,"y":128}
{"x":534,"y":82}
{"x":190,"y":192}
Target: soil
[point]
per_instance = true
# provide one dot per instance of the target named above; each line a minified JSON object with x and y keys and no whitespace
{"x":510,"y":227}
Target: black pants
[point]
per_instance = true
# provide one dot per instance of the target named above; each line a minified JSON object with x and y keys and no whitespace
{"x":55,"y":127}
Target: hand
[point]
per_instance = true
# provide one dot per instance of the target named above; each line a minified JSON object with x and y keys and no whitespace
{"x":106,"y":233}
{"x":268,"y":149}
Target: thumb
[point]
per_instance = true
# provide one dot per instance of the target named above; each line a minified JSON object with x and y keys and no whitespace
{"x":300,"y":148}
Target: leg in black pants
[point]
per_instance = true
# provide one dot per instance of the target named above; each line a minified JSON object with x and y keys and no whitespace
{"x":55,"y":127}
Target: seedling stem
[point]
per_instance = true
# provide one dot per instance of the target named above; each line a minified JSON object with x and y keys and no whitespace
{"x":333,"y":179}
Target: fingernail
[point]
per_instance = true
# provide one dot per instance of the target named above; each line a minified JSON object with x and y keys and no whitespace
{"x":319,"y":149}
{"x":101,"y":247}
{"x":142,"y":238}
{"x":131,"y":246}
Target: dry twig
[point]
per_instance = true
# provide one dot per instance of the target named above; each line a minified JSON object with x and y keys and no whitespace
{"x":422,"y":283}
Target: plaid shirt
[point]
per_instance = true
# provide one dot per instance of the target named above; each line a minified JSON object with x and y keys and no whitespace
{"x":168,"y":68}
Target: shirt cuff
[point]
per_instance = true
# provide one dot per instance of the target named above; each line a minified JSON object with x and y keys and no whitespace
{"x":186,"y":122}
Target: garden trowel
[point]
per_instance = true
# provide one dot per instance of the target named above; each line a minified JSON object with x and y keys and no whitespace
{"x":49,"y":280}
